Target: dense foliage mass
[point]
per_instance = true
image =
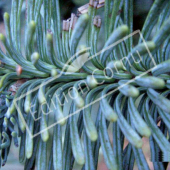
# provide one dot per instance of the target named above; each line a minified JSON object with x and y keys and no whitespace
{"x":125,"y":85}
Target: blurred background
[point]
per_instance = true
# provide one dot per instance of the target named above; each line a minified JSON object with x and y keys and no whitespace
{"x":141,"y":8}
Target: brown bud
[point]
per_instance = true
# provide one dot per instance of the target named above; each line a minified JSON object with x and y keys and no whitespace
{"x":97,"y":21}
{"x":71,"y":20}
{"x":101,"y":3}
{"x":74,"y":22}
{"x":91,"y":2}
{"x":83,"y":9}
{"x":19,"y":70}
{"x":67,"y":25}
{"x":64,"y":25}
{"x":95,"y":3}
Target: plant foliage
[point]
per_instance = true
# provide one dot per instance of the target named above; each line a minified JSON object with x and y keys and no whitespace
{"x":132,"y":96}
